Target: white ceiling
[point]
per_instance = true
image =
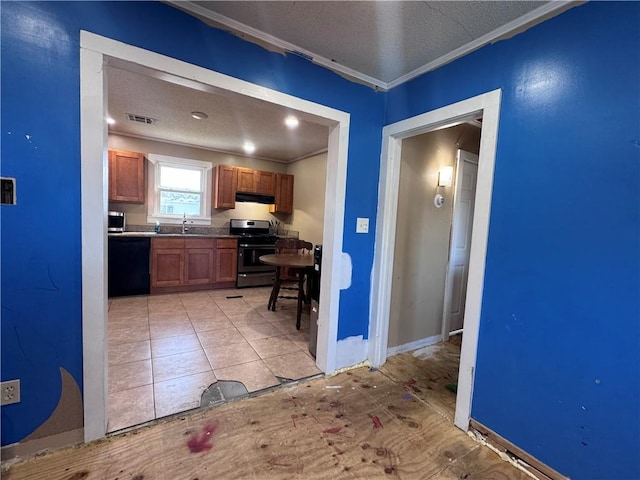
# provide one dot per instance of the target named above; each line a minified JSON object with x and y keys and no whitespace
{"x":233,"y":119}
{"x":379,"y":43}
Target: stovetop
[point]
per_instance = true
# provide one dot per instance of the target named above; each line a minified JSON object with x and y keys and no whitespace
{"x":254,"y":232}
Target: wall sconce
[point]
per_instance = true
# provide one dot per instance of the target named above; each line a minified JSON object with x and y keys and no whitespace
{"x":445,"y":176}
{"x":445,"y":179}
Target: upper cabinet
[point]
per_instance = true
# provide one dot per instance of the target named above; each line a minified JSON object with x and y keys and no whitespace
{"x":265,"y":182}
{"x":225,"y":186}
{"x":284,"y":194}
{"x":229,"y":180}
{"x":256,"y":181}
{"x":126,"y":177}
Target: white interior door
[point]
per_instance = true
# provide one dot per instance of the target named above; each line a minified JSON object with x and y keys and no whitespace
{"x":458,"y":268}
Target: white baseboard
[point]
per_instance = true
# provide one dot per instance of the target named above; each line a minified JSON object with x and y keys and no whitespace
{"x":408,"y":347}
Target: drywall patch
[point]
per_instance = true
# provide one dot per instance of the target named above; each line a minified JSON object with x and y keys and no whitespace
{"x":346,"y":271}
{"x":429,"y":351}
{"x":351,"y":351}
{"x":63,"y":428}
{"x":68,"y":414}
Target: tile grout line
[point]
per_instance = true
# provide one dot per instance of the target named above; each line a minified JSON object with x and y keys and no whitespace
{"x":153,"y":378}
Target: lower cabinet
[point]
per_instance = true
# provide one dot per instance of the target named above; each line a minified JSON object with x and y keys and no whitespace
{"x":167,"y":267}
{"x":199,"y":254}
{"x":182,"y":264}
{"x":226,"y":260}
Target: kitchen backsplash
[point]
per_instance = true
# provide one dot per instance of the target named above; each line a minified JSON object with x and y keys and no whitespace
{"x":200,"y":230}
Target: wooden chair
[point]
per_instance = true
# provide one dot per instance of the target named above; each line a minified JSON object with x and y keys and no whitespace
{"x":290,"y":279}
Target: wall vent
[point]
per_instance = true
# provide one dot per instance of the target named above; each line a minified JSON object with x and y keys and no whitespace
{"x":141,"y":119}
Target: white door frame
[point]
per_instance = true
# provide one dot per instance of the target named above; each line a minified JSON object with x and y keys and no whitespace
{"x":488,"y":106}
{"x":95,"y":53}
{"x":448,"y":279}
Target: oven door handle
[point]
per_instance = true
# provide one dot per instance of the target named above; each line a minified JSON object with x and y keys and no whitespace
{"x":245,"y":245}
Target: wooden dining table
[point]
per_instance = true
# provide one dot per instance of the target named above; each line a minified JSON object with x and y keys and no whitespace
{"x":301,"y":262}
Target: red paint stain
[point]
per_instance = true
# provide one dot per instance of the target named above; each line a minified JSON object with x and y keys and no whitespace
{"x":293,"y":419}
{"x":332,"y":430}
{"x":202,"y":442}
{"x":376,"y":421}
{"x":409,"y":384}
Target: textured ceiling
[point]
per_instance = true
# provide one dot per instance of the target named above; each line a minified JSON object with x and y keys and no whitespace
{"x":233,"y":118}
{"x":380,"y":42}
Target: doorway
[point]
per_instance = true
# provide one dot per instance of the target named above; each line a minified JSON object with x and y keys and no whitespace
{"x":96,"y":51}
{"x":422,"y":236}
{"x":487,"y":107}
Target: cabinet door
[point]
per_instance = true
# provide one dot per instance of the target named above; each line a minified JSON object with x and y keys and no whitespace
{"x":198,"y":266}
{"x":226,"y":265}
{"x":246,"y":180}
{"x":167,"y":267}
{"x":225,"y":186}
{"x":126,"y":177}
{"x":284,"y":194}
{"x":265,"y":182}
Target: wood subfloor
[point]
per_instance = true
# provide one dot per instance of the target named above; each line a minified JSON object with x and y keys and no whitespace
{"x":392,"y":422}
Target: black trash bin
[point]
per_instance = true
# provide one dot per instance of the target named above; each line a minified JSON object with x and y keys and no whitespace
{"x":314,"y":293}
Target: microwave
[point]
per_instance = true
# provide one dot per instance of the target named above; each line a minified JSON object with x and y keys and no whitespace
{"x":116,"y":222}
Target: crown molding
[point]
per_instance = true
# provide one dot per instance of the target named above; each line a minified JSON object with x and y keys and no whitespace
{"x":505,"y":31}
{"x":238,"y":27}
{"x":515,"y":26}
{"x":202,"y":147}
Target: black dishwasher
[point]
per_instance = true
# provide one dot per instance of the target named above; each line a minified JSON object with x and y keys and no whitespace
{"x":128,"y":266}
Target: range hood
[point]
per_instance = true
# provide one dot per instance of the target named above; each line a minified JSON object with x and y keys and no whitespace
{"x":255,"y":198}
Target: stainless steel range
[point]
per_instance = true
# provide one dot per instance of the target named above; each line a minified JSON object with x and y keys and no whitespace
{"x":255,"y":240}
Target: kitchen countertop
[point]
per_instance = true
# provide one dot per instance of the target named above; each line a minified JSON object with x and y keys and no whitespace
{"x":162,"y":235}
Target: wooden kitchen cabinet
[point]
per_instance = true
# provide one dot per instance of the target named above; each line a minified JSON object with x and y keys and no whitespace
{"x":256,"y":181}
{"x":225,"y":186}
{"x":246,"y":180}
{"x":167,"y":262}
{"x":226,"y":260}
{"x":265,"y":182}
{"x":126,"y":176}
{"x":183,"y":264}
{"x":230,"y":180}
{"x":284,"y":194}
{"x":199,"y":255}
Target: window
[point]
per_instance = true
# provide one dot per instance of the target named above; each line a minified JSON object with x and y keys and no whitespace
{"x":179,"y":187}
{"x":180,"y":190}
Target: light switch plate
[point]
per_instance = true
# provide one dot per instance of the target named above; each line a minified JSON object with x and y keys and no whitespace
{"x":362,"y":225}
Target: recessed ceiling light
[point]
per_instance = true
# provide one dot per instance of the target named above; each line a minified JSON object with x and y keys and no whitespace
{"x":291,"y":121}
{"x":110,"y":121}
{"x":199,"y":115}
{"x":249,"y":147}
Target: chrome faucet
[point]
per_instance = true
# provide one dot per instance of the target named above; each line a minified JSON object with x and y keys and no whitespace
{"x":185,"y":229}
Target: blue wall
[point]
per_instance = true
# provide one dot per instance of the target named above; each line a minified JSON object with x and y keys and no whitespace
{"x":41,"y":256}
{"x":558,"y":367}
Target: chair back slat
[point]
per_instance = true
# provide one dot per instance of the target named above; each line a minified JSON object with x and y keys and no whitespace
{"x":293,"y":245}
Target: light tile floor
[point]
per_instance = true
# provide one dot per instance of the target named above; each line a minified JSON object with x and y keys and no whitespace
{"x":165,"y":350}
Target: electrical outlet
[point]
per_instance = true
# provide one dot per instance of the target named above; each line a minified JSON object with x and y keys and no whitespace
{"x":10,"y":392}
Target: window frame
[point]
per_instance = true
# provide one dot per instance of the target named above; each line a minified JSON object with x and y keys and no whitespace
{"x":154,"y":190}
